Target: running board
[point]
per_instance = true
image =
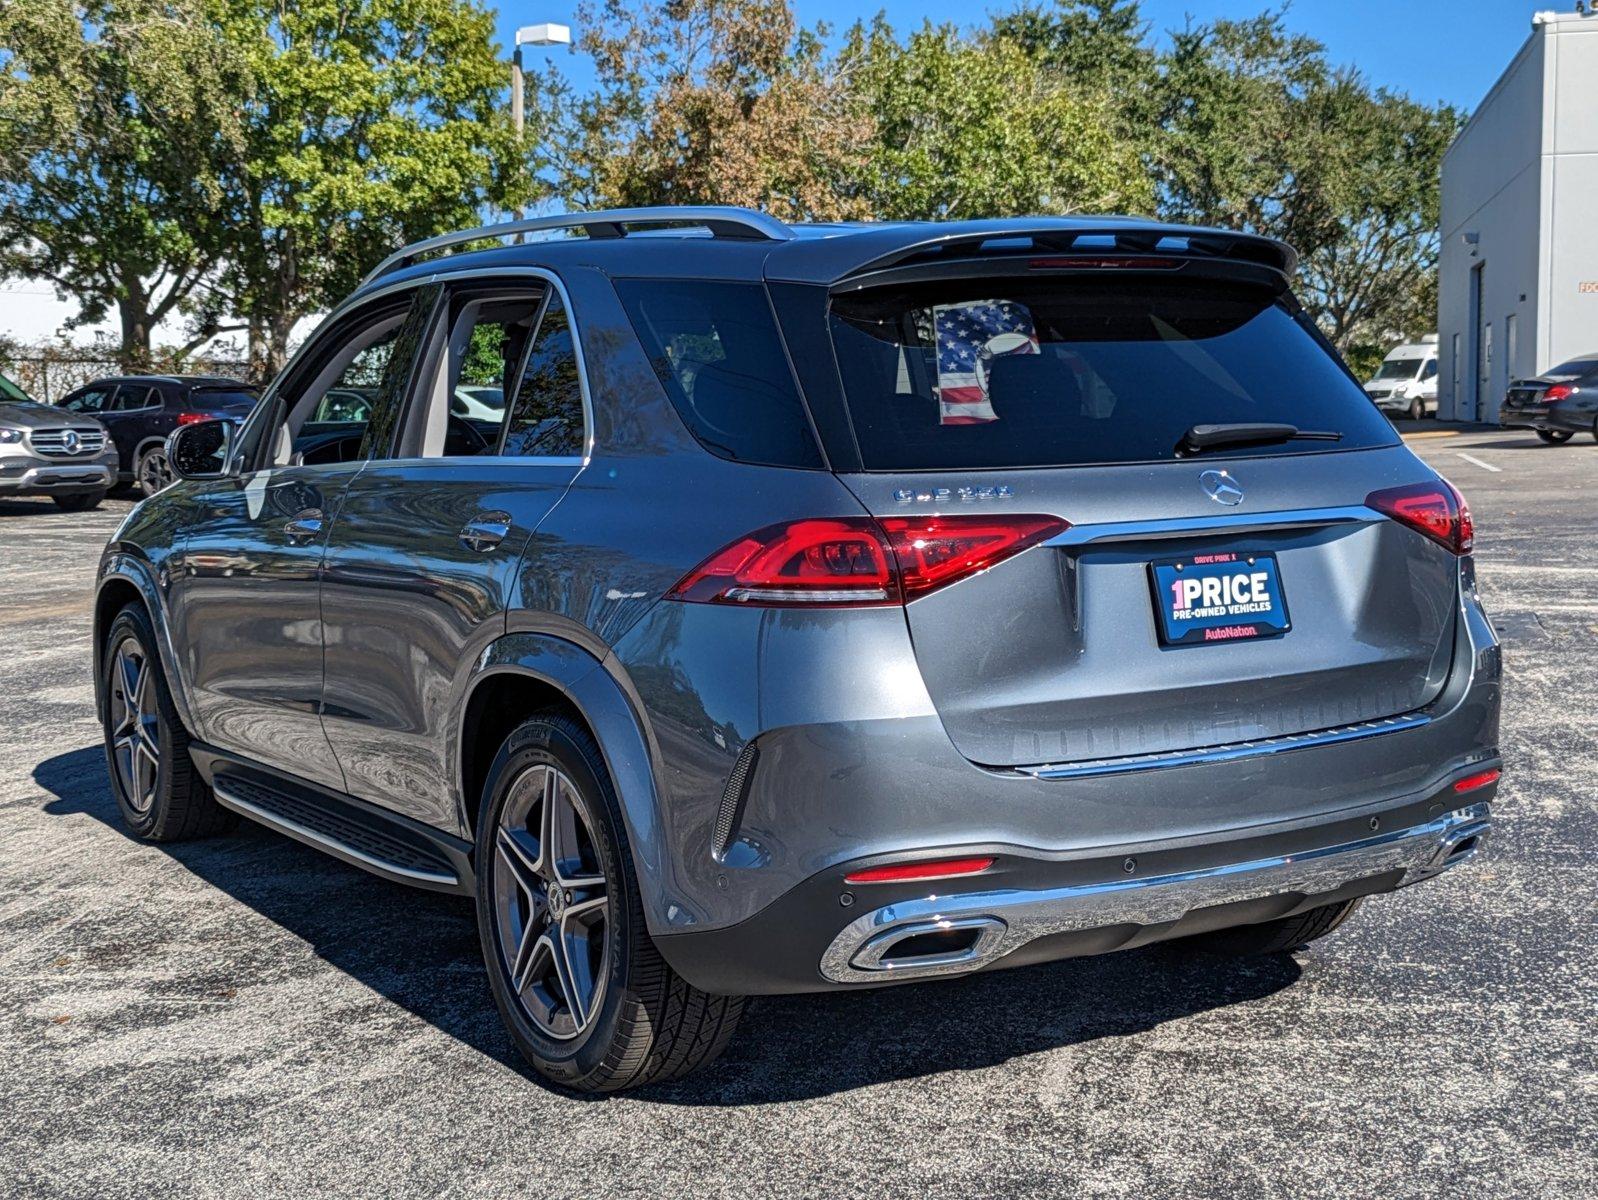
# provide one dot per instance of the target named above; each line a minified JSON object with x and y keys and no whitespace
{"x":361,"y":834}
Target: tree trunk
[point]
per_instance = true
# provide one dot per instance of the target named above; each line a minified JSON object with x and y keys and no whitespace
{"x":134,"y":310}
{"x":276,"y":344}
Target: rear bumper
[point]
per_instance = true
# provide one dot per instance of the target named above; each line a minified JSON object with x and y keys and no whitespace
{"x":938,"y":935}
{"x":28,"y":476}
{"x":1030,"y":907}
{"x":1557,"y":419}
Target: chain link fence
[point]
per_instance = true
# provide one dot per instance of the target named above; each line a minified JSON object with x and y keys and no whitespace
{"x":49,"y":377}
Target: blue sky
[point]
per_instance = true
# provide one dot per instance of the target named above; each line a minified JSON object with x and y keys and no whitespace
{"x":1448,"y":50}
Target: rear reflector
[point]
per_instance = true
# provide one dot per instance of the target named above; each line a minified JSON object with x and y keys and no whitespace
{"x":857,"y":560}
{"x":912,"y":872}
{"x":1479,"y":780}
{"x":1436,"y":510}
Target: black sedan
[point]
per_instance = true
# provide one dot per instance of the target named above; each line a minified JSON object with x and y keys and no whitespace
{"x":1558,"y":404}
{"x":139,"y":411}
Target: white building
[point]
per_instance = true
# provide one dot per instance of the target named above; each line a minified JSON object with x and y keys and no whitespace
{"x":1518,"y":290}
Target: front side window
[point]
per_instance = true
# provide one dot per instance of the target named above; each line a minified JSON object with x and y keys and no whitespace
{"x":715,"y":349}
{"x":90,"y":401}
{"x":344,"y":393}
{"x":1067,"y":371}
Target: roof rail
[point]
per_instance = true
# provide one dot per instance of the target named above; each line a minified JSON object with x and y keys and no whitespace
{"x":721,"y":220}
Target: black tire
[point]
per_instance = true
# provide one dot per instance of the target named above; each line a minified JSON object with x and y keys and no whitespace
{"x":1273,"y":937}
{"x":79,"y":501}
{"x":1558,"y":437}
{"x":179,"y":804}
{"x":648,"y":1025}
{"x":151,"y":473}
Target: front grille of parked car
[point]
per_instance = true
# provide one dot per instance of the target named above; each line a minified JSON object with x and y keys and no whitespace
{"x":1380,"y":393}
{"x":68,"y":443}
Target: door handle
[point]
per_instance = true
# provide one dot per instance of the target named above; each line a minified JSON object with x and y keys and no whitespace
{"x":303,"y":527}
{"x":485,"y":531}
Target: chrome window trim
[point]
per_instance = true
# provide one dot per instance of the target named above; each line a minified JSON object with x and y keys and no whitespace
{"x":1228,"y":753}
{"x":1131,"y":531}
{"x":446,"y":278}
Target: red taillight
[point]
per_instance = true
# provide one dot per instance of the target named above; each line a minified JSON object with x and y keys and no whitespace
{"x":1560,"y":391}
{"x":194,"y":418}
{"x":858,"y":560}
{"x":1434,"y":509}
{"x":914,"y":872}
{"x":1479,"y":780}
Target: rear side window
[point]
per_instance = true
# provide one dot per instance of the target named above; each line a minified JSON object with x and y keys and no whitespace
{"x":1071,"y":371}
{"x":715,"y":349}
{"x":546,"y":405}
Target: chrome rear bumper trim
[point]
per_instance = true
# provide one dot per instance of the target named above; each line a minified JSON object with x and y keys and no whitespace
{"x":1010,"y":918}
{"x":1236,"y":750}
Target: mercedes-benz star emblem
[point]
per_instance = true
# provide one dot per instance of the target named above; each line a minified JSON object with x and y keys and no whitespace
{"x":70,"y":441}
{"x":1221,"y":488}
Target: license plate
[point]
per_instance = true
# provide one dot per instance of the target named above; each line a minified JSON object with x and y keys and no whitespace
{"x":1223,"y":596}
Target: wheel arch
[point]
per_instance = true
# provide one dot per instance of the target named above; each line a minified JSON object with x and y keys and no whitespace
{"x":520,"y":674}
{"x":125,"y":579}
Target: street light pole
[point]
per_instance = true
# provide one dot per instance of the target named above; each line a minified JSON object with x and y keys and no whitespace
{"x":529,"y":35}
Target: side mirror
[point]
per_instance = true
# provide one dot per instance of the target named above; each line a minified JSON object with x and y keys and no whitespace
{"x":200,"y":450}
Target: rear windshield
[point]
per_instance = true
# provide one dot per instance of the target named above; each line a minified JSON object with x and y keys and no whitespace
{"x":1058,"y":372}
{"x":1576,"y":366}
{"x":207,"y":397}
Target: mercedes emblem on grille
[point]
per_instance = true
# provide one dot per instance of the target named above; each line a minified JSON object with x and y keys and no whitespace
{"x":1221,"y":488}
{"x":70,"y":441}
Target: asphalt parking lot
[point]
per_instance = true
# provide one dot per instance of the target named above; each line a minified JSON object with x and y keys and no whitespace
{"x":245,"y":1017}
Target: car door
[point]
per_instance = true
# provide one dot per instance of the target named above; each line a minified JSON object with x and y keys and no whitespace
{"x":125,"y":416}
{"x":423,"y":552}
{"x":247,"y":609}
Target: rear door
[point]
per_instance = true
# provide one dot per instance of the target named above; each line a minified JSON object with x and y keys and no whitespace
{"x":1069,"y":396}
{"x":424,"y":551}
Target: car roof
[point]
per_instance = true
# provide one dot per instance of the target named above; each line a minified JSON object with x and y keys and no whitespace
{"x":189,"y":380}
{"x":809,"y":253}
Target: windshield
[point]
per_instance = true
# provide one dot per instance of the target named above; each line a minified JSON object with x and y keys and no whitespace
{"x":1049,"y":372}
{"x":1398,"y":368}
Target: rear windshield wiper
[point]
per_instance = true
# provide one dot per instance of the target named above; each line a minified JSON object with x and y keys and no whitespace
{"x":1212,"y":437}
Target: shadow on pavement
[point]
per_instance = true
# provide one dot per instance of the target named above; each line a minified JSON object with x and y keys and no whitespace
{"x":420,"y":950}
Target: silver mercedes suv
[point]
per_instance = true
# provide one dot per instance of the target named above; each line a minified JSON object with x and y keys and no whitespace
{"x":733,"y":607}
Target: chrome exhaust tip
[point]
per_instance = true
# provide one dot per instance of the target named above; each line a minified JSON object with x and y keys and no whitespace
{"x":929,"y":947}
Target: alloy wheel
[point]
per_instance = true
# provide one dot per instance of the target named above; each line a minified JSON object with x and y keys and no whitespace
{"x":551,"y":903}
{"x":154,"y":472}
{"x":135,"y":725}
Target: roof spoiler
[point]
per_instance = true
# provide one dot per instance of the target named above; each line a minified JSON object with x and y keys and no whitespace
{"x":1020,"y":237}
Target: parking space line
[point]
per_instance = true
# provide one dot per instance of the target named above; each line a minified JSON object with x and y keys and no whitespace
{"x":1473,"y":460}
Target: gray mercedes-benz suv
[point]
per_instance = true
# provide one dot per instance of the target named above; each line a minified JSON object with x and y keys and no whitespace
{"x":807,"y":608}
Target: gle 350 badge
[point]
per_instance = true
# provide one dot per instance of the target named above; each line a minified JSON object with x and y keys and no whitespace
{"x":1219,"y":597}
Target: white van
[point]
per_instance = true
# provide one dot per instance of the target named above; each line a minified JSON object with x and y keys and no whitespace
{"x":1406,"y":382}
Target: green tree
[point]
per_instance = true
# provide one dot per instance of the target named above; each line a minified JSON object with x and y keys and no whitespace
{"x":1257,"y":130}
{"x":708,"y":102}
{"x":974,"y":128}
{"x":116,"y":120}
{"x":366,"y":125}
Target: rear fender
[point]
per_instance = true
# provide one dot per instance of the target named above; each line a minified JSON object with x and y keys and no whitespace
{"x":606,"y":701}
